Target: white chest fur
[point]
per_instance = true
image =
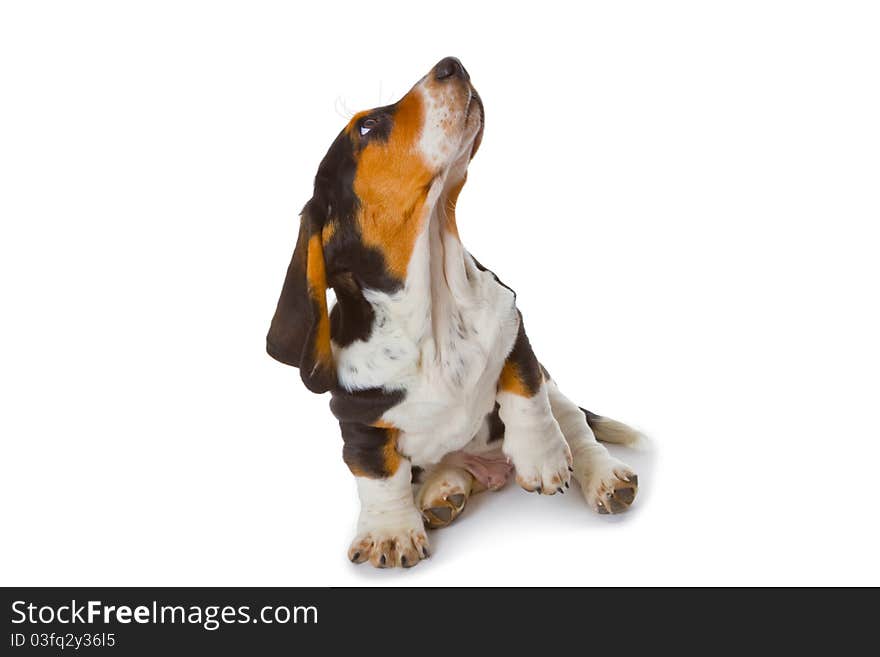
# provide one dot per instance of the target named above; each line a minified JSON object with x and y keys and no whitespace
{"x":442,"y":339}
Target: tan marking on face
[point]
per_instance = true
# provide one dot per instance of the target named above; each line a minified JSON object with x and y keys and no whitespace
{"x":392,"y":183}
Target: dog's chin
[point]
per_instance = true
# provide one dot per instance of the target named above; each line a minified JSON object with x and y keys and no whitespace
{"x":475,"y":125}
{"x":472,"y":134}
{"x":478,"y":137}
{"x":469,"y":138}
{"x":475,"y":114}
{"x":457,"y":167}
{"x":453,"y":170}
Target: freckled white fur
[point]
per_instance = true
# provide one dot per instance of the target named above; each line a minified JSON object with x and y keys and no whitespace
{"x":434,"y":144}
{"x":443,"y":338}
{"x":448,"y":132}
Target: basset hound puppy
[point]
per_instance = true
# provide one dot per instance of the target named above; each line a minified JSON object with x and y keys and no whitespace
{"x":437,"y":390}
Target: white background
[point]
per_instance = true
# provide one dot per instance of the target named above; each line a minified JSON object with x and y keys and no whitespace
{"x":684,"y":195}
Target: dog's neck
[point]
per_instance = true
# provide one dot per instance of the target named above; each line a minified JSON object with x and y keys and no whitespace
{"x":437,"y":289}
{"x":450,"y":290}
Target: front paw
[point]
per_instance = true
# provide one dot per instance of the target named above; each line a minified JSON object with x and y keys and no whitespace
{"x":542,"y":462}
{"x":389,"y":547}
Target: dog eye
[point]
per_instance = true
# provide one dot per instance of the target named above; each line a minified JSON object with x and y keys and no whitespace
{"x":367,"y":125}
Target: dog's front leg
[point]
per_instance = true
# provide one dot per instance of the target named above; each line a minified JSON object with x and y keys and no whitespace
{"x":533,"y":440}
{"x":390,"y":528}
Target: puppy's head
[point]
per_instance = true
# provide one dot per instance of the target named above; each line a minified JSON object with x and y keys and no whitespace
{"x":373,"y":192}
{"x":423,"y":141}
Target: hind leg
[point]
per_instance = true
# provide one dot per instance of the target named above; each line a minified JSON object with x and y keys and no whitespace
{"x":481,"y":465}
{"x":443,"y":494}
{"x":448,"y":485}
{"x":608,"y":485}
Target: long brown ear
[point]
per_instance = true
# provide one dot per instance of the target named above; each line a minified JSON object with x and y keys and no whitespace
{"x":300,"y":330}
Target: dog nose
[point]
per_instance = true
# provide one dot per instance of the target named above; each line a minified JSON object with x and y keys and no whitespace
{"x":450,"y":67}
